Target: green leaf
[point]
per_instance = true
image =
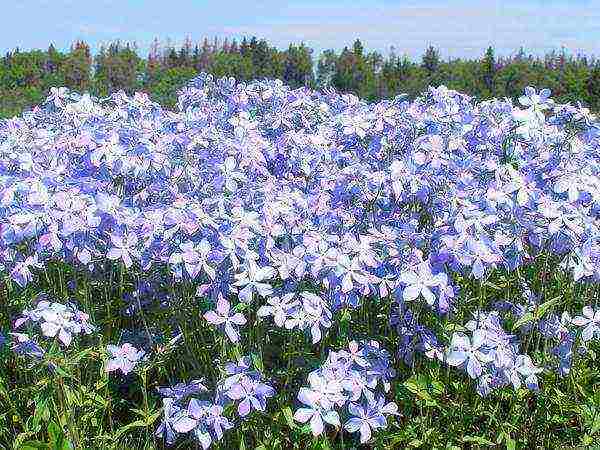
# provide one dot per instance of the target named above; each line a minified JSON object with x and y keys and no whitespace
{"x":130,"y":426}
{"x":511,"y":444}
{"x":595,"y":426}
{"x":452,"y":327}
{"x":289,"y":417}
{"x":478,"y":440}
{"x":34,"y":445}
{"x":55,"y":433}
{"x":325,"y":445}
{"x":152,"y":418}
{"x":257,"y":361}
{"x":539,"y":312}
{"x":423,"y":387}
{"x":77,"y":357}
{"x":544,"y":307}
{"x":62,"y":372}
{"x":525,"y":319}
{"x":508,"y":441}
{"x":57,"y":437}
{"x":493,"y":286}
{"x":42,"y":409}
{"x":305,"y":429}
{"x":65,"y":444}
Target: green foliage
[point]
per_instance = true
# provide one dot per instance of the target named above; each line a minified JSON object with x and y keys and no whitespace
{"x":165,"y":84}
{"x":117,"y":68}
{"x":78,"y":405}
{"x":26,"y":77}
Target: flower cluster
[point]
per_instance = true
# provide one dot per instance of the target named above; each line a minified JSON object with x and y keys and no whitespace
{"x":309,"y":313}
{"x":57,"y":320}
{"x":559,"y":331}
{"x":244,"y":386}
{"x":189,"y":408}
{"x":491,"y":356}
{"x":333,"y":195}
{"x":305,"y":203}
{"x":355,"y":379}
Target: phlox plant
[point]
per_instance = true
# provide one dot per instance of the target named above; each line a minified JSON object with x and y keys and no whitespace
{"x":268,"y":267}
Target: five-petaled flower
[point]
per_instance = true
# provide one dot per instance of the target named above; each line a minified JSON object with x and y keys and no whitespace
{"x":590,"y":322}
{"x":123,"y":358}
{"x":223,"y":317}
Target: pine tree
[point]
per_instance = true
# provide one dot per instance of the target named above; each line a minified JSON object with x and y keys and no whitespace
{"x":244,"y":46}
{"x":489,"y":72}
{"x":357,"y":48}
{"x":76,"y":68}
{"x":431,"y":60}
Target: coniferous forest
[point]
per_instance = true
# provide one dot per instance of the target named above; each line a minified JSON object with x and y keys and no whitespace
{"x":26,"y":76}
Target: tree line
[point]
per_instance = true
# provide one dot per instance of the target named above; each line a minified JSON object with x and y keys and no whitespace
{"x":26,"y":76}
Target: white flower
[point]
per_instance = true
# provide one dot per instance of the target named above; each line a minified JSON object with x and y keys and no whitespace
{"x":420,"y":283}
{"x":590,"y":321}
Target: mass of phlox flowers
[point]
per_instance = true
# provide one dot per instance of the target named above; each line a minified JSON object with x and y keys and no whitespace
{"x":300,"y":204}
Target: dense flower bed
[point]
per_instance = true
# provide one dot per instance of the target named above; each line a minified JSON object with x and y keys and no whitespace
{"x":293,"y":207}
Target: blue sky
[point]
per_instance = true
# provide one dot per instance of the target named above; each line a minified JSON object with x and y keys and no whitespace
{"x":460,"y":28}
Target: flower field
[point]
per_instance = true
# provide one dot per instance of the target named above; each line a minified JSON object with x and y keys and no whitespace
{"x":270,"y":268}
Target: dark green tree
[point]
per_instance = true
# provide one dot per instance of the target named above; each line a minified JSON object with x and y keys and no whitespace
{"x":76,"y":67}
{"x":118,"y":67}
{"x":431,"y":60}
{"x":488,"y":72}
{"x":593,"y":88}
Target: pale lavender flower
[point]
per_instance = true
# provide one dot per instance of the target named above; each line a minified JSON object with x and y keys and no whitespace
{"x":198,"y":411}
{"x":471,"y":353}
{"x":171,"y":412}
{"x":590,"y":322}
{"x":123,"y":358}
{"x":231,"y":176}
{"x":24,"y":345}
{"x":368,"y":417}
{"x":355,"y":353}
{"x":194,"y":258}
{"x":217,"y":421}
{"x":279,"y":308}
{"x":58,"y":96}
{"x":222,"y":317}
{"x":237,"y":370}
{"x":250,"y":393}
{"x":421,"y":283}
{"x":534,"y":100}
{"x":524,"y":366}
{"x":57,"y":320}
{"x":316,"y":314}
{"x":123,"y":248}
{"x":181,"y":391}
{"x":21,"y":272}
{"x":252,"y":280}
{"x":313,"y":413}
